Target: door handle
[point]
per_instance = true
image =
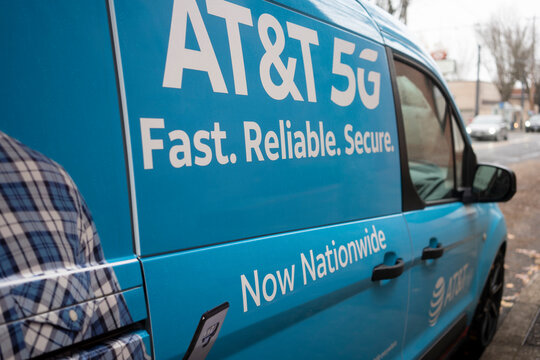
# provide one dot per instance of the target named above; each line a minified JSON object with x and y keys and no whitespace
{"x":432,"y":252}
{"x":386,"y":272}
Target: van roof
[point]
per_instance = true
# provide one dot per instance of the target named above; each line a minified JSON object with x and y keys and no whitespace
{"x":367,"y":20}
{"x":398,"y":37}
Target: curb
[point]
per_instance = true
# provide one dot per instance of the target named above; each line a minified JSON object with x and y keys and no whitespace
{"x":509,"y":342}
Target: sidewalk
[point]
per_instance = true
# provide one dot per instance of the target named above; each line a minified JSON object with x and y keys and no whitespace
{"x":519,"y":335}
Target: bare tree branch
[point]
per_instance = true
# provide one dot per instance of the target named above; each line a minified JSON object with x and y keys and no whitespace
{"x":395,"y":7}
{"x":511,"y":47}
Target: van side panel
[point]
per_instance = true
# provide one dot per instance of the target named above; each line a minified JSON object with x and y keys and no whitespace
{"x":442,"y":289}
{"x":219,"y":156}
{"x":495,"y":235}
{"x":305,"y":294}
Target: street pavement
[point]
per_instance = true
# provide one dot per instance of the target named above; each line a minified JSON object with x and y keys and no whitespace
{"x":519,"y":147}
{"x":519,"y":335}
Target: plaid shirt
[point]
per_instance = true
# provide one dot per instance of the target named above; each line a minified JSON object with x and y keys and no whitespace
{"x":53,"y":291}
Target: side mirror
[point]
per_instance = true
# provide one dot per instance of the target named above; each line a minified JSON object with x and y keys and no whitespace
{"x":493,"y":183}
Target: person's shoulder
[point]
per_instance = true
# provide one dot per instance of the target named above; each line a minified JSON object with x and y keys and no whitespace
{"x":31,"y":165}
{"x":15,"y":152}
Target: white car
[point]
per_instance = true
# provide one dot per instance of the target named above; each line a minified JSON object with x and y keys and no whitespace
{"x":533,"y":124}
{"x":488,"y":127}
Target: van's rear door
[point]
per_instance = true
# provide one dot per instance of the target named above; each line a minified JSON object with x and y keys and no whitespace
{"x":59,"y":286}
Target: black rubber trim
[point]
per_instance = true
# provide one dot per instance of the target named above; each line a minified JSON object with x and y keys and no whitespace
{"x":409,"y":197}
{"x":450,"y":118}
{"x":90,"y":343}
{"x":447,"y":340}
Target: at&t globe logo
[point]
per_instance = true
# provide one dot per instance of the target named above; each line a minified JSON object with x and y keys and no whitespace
{"x":447,"y":291}
{"x":437,"y":301}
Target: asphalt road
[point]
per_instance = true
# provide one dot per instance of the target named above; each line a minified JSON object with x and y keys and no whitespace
{"x":519,"y":147}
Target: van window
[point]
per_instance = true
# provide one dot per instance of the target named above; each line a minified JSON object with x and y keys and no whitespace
{"x":428,"y":134}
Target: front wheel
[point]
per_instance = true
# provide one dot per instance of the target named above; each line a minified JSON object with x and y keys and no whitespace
{"x":486,"y":317}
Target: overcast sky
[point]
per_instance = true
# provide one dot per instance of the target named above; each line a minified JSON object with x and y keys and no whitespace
{"x":450,"y":25}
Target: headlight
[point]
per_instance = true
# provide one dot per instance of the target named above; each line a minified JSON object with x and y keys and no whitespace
{"x":527,"y":123}
{"x":468,"y":130}
{"x":492,"y":131}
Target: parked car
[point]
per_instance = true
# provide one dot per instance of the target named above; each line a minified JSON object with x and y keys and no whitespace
{"x":269,"y":180}
{"x":488,"y":127}
{"x":533,"y":124}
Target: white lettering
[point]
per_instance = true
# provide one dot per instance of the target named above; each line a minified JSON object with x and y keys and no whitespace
{"x":287,"y":279}
{"x":270,"y":143}
{"x":217,"y":135}
{"x":184,"y":148}
{"x":149,"y":144}
{"x":252,"y":144}
{"x":382,"y":239}
{"x":233,"y":15}
{"x":362,"y":248}
{"x":312,"y":136}
{"x":345,"y":97}
{"x":306,"y":37}
{"x":343,"y":261}
{"x":272,"y":58}
{"x":180,"y":58}
{"x":370,"y":101}
{"x":202,"y":147}
{"x":274,"y":287}
{"x":255,"y":295}
{"x":305,"y":264}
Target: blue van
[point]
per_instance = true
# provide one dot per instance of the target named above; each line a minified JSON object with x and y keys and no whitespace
{"x":269,"y":179}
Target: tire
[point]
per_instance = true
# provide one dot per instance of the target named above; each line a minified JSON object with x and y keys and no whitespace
{"x":486,"y":317}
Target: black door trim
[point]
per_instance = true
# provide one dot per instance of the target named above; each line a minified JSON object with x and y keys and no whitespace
{"x":447,"y":340}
